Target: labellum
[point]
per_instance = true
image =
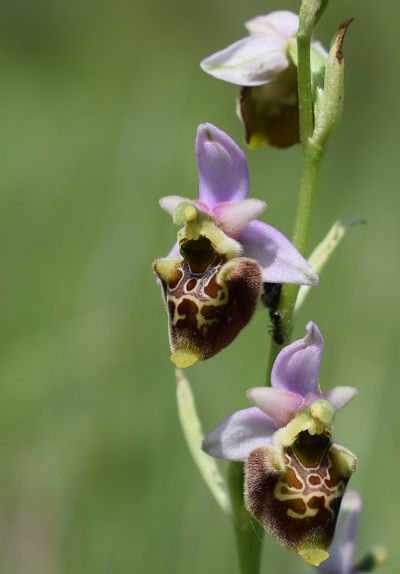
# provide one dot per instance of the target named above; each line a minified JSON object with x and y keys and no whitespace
{"x":270,"y":113}
{"x":209,"y":297}
{"x":295,"y":491}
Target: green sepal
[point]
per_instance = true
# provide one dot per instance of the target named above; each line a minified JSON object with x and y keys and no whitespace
{"x":317,"y":67}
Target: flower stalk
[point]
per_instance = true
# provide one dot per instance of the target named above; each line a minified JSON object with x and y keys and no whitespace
{"x":312,"y":156}
{"x":318,"y":119}
{"x":310,"y":11}
{"x":249,"y":533}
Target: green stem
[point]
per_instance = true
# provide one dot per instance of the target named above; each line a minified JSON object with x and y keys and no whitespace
{"x":302,"y":224}
{"x":249,"y":533}
{"x":312,"y":155}
{"x":301,"y":231}
{"x":304,"y":87}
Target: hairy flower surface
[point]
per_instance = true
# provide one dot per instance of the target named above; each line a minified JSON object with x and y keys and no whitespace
{"x":295,"y":475}
{"x":264,"y":64}
{"x":213,"y":276}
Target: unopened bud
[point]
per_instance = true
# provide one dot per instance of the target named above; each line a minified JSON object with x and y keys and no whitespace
{"x":329,"y":104}
{"x":376,"y":557}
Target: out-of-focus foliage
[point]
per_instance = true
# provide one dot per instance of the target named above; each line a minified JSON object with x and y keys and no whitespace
{"x":99,"y":105}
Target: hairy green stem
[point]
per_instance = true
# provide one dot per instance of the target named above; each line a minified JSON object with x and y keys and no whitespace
{"x":310,"y":11}
{"x":301,"y":231}
{"x":302,"y":225}
{"x":249,"y":533}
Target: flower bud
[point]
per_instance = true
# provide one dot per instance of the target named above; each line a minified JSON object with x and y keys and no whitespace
{"x":329,"y":104}
{"x":265,"y":66}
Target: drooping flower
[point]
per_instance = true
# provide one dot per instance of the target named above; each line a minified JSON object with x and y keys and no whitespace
{"x":295,"y":476}
{"x":213,"y":275}
{"x":265,"y":65}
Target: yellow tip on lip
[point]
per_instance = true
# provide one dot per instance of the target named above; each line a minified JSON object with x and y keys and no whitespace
{"x":314,"y":556}
{"x":184,"y":358}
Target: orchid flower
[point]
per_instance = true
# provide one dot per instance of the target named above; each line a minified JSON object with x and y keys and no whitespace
{"x":213,"y":276}
{"x":265,"y":65}
{"x":295,"y":477}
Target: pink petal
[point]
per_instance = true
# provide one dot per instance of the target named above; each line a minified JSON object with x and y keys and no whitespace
{"x":170,"y":202}
{"x":252,"y":61}
{"x":203,"y":207}
{"x":278,"y":405}
{"x":339,"y":396}
{"x":234,"y":217}
{"x":281,"y":23}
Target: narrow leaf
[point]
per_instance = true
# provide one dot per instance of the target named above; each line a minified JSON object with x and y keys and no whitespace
{"x":194,"y":435}
{"x":323,"y":252}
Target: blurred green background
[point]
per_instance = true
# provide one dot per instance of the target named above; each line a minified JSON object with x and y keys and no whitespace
{"x":99,"y":106}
